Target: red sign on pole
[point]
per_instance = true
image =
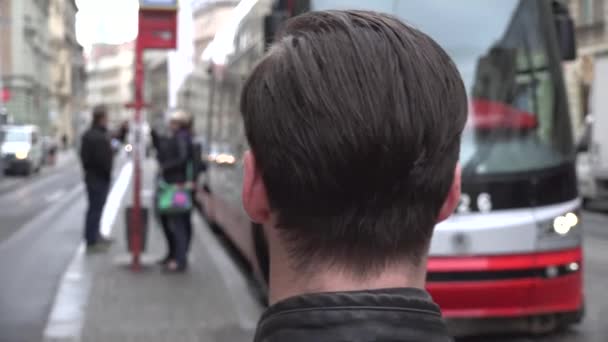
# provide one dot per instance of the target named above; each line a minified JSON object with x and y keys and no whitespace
{"x":157,"y":29}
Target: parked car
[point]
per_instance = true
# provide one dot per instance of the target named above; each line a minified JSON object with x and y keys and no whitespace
{"x":22,"y":149}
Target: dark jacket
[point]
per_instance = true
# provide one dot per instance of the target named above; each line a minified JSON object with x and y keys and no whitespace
{"x":96,"y":154}
{"x":174,"y":156}
{"x":404,"y":315}
{"x":160,"y":143}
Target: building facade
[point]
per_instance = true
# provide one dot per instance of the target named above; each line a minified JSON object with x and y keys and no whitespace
{"x":111,"y":81}
{"x":110,"y":76}
{"x":67,"y":74}
{"x":591,"y":18}
{"x":26,"y":57}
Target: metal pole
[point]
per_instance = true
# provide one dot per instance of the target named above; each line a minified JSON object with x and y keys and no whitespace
{"x":220,"y":113}
{"x":136,"y":224}
{"x":210,"y":110}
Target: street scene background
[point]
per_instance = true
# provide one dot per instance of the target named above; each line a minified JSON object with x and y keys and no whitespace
{"x":59,"y":59}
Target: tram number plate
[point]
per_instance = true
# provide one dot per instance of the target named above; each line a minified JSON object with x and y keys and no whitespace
{"x":483,"y":203}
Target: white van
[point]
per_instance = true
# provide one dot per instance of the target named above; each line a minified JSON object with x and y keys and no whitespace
{"x":22,"y":149}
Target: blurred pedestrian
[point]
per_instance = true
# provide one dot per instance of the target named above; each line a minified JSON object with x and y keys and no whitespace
{"x":160,"y":143}
{"x":96,"y":155}
{"x":354,"y":121}
{"x":176,"y":176}
{"x":64,"y":141}
{"x":52,"y":152}
{"x":163,"y":144}
{"x":122,"y":132}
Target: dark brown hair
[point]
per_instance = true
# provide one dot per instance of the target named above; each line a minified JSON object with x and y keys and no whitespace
{"x":99,"y":113}
{"x":355,"y":121}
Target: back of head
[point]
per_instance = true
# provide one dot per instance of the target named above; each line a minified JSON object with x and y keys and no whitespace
{"x":100,"y":114}
{"x":355,"y":119}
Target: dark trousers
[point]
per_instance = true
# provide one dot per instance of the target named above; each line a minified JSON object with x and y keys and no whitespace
{"x":97,"y":193}
{"x":168,"y":232}
{"x":180,"y":224}
{"x":178,"y":231}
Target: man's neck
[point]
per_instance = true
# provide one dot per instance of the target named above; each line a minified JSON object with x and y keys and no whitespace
{"x":285,"y":282}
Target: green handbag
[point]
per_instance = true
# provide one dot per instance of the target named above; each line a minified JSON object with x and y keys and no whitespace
{"x":175,"y":198}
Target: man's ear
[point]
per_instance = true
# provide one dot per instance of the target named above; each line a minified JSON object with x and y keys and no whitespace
{"x":254,"y":195}
{"x":453,"y":197}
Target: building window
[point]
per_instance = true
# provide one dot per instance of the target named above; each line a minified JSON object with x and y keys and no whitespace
{"x":591,"y":12}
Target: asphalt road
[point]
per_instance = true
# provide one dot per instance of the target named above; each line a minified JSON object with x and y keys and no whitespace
{"x":40,"y":228}
{"x":23,"y":198}
{"x":40,"y":224}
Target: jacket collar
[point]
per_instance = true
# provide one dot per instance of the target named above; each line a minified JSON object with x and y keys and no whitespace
{"x":400,"y":309}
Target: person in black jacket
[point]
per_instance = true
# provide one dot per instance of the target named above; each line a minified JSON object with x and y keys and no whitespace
{"x":176,"y":164}
{"x":354,"y":122}
{"x":165,"y":152}
{"x":160,"y":143}
{"x":96,"y":156}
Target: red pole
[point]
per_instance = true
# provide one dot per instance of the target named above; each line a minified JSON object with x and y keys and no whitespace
{"x":136,"y":224}
{"x":150,"y":21}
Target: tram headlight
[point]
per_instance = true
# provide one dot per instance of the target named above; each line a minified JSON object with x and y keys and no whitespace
{"x":562,"y":226}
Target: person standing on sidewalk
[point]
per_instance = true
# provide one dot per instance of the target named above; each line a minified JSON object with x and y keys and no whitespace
{"x":177,"y":167}
{"x":165,"y":152}
{"x":160,"y":142}
{"x":354,"y":121}
{"x":96,"y":155}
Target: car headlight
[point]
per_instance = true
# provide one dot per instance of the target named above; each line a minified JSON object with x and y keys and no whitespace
{"x":21,"y":155}
{"x":225,"y":159}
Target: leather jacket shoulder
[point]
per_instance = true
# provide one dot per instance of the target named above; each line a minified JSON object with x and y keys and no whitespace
{"x":405,"y":315}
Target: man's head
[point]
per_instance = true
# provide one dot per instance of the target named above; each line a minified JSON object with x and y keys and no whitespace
{"x":354,"y":121}
{"x":100,"y":116}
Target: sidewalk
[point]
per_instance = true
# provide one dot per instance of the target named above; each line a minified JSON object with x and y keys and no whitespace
{"x":101,"y":299}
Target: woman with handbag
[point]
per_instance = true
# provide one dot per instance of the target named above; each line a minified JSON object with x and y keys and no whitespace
{"x":174,"y":194}
{"x":160,"y":142}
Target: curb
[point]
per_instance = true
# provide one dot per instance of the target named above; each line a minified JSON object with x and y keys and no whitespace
{"x":68,"y":312}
